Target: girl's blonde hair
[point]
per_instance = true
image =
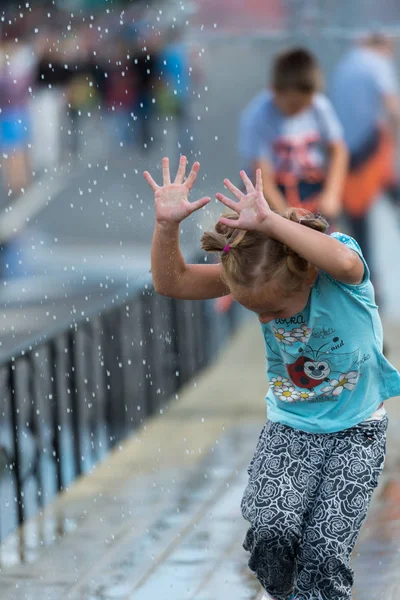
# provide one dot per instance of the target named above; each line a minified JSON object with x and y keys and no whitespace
{"x":254,"y":259}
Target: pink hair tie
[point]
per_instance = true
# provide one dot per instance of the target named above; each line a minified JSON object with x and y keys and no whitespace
{"x":226,"y":249}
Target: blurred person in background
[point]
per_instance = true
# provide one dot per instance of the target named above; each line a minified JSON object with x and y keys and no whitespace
{"x":49,"y":103}
{"x":365,"y":94}
{"x":292,"y":134}
{"x":120,"y":92}
{"x":69,"y":91}
{"x":174,"y":87}
{"x":144,"y":62}
{"x":16,"y":77}
{"x":85,"y":89}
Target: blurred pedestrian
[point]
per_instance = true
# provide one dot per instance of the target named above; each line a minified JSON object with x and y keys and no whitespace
{"x":85,"y":85}
{"x":145,"y":66}
{"x":119,"y":92}
{"x":173,"y":95}
{"x":365,"y":94}
{"x":48,"y":108}
{"x":292,"y":134}
{"x":16,"y":77}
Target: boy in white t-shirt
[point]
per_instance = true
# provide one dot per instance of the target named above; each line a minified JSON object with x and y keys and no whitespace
{"x":292,"y":134}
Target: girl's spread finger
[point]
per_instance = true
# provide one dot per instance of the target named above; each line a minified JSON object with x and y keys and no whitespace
{"x":180,"y":175}
{"x":150,"y":181}
{"x":233,"y":189}
{"x":232,"y":223}
{"x":199,"y":204}
{"x":165,"y":171}
{"x":259,"y":184}
{"x":192,"y":175}
{"x":227,"y":201}
{"x":247,"y":182}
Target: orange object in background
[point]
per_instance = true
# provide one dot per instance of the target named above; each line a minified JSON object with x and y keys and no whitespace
{"x":363,"y":185}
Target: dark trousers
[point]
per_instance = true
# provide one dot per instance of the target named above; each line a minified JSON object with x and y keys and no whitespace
{"x":306,"y":500}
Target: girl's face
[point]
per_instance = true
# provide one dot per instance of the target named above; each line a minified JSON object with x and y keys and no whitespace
{"x":269,"y":302}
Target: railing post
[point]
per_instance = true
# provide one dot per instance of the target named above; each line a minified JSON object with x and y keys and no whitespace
{"x":12,"y":379}
{"x":146,"y":316}
{"x":94,"y":378}
{"x":75,"y":409}
{"x":175,"y":342}
{"x":114,"y":374}
{"x":134,"y":353}
{"x":34,"y":427}
{"x":55,"y":412}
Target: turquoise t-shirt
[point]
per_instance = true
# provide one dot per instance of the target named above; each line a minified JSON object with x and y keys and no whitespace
{"x":325,"y":365}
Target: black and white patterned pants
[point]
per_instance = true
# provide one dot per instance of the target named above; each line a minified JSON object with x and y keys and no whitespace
{"x":306,"y":500}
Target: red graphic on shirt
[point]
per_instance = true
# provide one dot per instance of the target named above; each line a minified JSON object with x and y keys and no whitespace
{"x":298,"y":158}
{"x":308,"y":373}
{"x":299,"y":169}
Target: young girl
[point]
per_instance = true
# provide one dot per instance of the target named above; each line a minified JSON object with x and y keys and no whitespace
{"x":320,"y":454}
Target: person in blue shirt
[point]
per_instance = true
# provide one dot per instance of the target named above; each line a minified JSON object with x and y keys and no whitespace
{"x":291,"y":132}
{"x":365,"y":93}
{"x":322,"y":449}
{"x":174,"y":89}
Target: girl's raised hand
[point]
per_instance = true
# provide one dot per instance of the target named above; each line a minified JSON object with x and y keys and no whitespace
{"x":252,"y":207}
{"x":171,"y":199}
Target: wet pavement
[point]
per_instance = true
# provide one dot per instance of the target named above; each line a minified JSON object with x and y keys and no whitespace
{"x":377,"y":555}
{"x":160,"y":518}
{"x":162,"y":514}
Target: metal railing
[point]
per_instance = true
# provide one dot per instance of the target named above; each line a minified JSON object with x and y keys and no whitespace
{"x":70,"y":398}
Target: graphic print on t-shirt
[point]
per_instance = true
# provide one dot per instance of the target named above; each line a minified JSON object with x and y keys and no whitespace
{"x":298,"y":157}
{"x":303,"y":372}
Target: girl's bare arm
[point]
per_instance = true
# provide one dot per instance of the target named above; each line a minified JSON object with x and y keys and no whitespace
{"x":171,"y":275}
{"x":321,"y":250}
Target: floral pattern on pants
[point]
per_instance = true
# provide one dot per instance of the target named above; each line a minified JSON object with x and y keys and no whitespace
{"x":306,"y":500}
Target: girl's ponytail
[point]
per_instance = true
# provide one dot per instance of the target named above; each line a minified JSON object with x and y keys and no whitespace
{"x":295,"y":263}
{"x":250,"y":258}
{"x":306,"y":218}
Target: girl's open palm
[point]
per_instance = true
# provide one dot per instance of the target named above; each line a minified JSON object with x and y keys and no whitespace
{"x":252,"y":207}
{"x":171,"y":199}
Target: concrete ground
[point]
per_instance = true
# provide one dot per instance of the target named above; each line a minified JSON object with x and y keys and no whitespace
{"x":160,"y":518}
